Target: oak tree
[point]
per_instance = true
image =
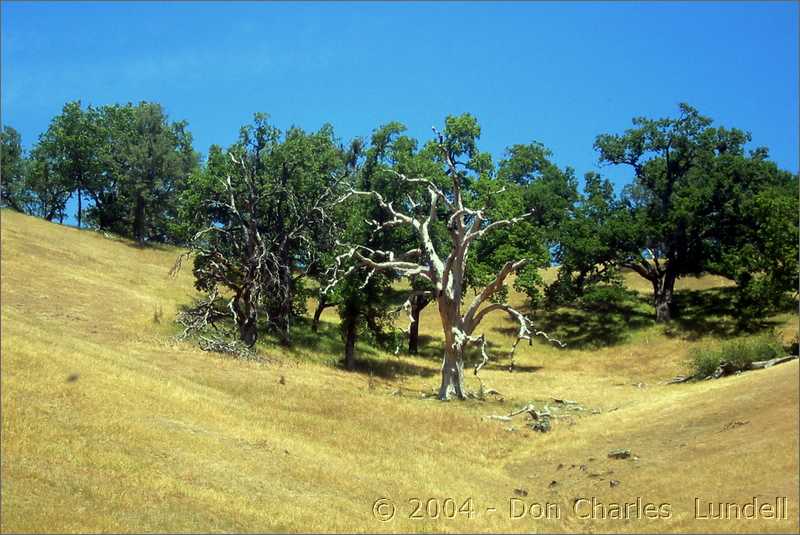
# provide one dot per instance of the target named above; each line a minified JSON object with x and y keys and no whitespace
{"x":444,"y":197}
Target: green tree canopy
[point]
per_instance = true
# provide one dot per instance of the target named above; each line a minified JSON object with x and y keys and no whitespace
{"x":68,"y":155}
{"x":691,"y":183}
{"x":265,"y":202}
{"x":14,"y":191}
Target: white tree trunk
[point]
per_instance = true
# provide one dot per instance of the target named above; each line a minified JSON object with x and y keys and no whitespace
{"x":452,"y":374}
{"x":453,"y":360}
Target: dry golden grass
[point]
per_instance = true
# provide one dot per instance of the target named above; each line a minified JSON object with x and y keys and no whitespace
{"x":108,"y":424}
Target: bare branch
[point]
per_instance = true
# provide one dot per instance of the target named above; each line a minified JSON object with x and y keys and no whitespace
{"x":644,"y":270}
{"x":488,"y":291}
{"x":474,"y":234}
{"x":526,"y":329}
{"x":484,"y":355}
{"x":392,"y":263}
{"x":429,"y":183}
{"x":398,"y":217}
{"x":405,"y":268}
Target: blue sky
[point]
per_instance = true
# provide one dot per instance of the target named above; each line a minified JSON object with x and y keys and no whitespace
{"x":558,"y":73}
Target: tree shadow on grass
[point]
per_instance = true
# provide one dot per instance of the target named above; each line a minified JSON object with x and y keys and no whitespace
{"x":430,"y":348}
{"x":390,"y":367}
{"x":713,"y":311}
{"x":369,"y":359}
{"x":592,"y":325}
{"x":503,"y":365}
{"x":148,"y":245}
{"x":603,"y":322}
{"x":324,"y":347}
{"x":327,"y":339}
{"x":696,"y":313}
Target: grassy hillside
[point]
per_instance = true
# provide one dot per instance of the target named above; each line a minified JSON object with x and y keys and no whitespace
{"x":108,"y":424}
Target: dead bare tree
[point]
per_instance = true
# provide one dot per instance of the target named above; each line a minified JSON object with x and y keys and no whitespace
{"x":445,"y":273}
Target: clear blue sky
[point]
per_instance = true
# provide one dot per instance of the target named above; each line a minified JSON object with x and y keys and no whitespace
{"x":558,"y":73}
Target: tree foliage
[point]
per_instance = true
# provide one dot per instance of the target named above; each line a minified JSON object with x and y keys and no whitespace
{"x":68,"y":154}
{"x":530,"y":183}
{"x":757,"y":228}
{"x":265,"y":201}
{"x":145,"y":162}
{"x":445,"y":197}
{"x":589,"y":239}
{"x":279,"y":207}
{"x":128,"y":161}
{"x":14,"y":191}
{"x":698,"y":203}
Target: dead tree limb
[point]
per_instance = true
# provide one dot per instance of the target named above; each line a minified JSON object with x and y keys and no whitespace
{"x":762,"y":364}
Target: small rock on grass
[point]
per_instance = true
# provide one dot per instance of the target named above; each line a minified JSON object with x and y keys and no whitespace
{"x":620,"y":453}
{"x":564,"y":401}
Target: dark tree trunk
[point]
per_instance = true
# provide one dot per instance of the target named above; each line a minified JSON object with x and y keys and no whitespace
{"x":663,"y":288}
{"x":246,"y":319}
{"x":321,"y":305}
{"x":248,"y":330}
{"x":280,"y":309}
{"x":247,"y":296}
{"x":413,"y":333}
{"x":279,"y":318}
{"x":418,"y":303}
{"x":281,"y":325}
{"x":80,"y":210}
{"x":280,"y":306}
{"x":138,"y":220}
{"x":350,"y":336}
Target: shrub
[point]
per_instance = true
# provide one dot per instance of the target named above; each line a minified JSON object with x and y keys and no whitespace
{"x":739,"y":354}
{"x":704,"y":361}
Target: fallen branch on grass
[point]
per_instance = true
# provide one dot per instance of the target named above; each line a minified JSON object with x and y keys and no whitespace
{"x":681,"y":379}
{"x":498,"y":417}
{"x":234,"y":348}
{"x":527,"y":408}
{"x":540,"y":419}
{"x":726,"y":368}
{"x":761,"y":364}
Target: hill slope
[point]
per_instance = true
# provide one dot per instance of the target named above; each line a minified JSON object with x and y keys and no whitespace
{"x":108,"y":424}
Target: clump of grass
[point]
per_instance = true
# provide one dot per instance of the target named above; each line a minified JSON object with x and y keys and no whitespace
{"x":738,"y":354}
